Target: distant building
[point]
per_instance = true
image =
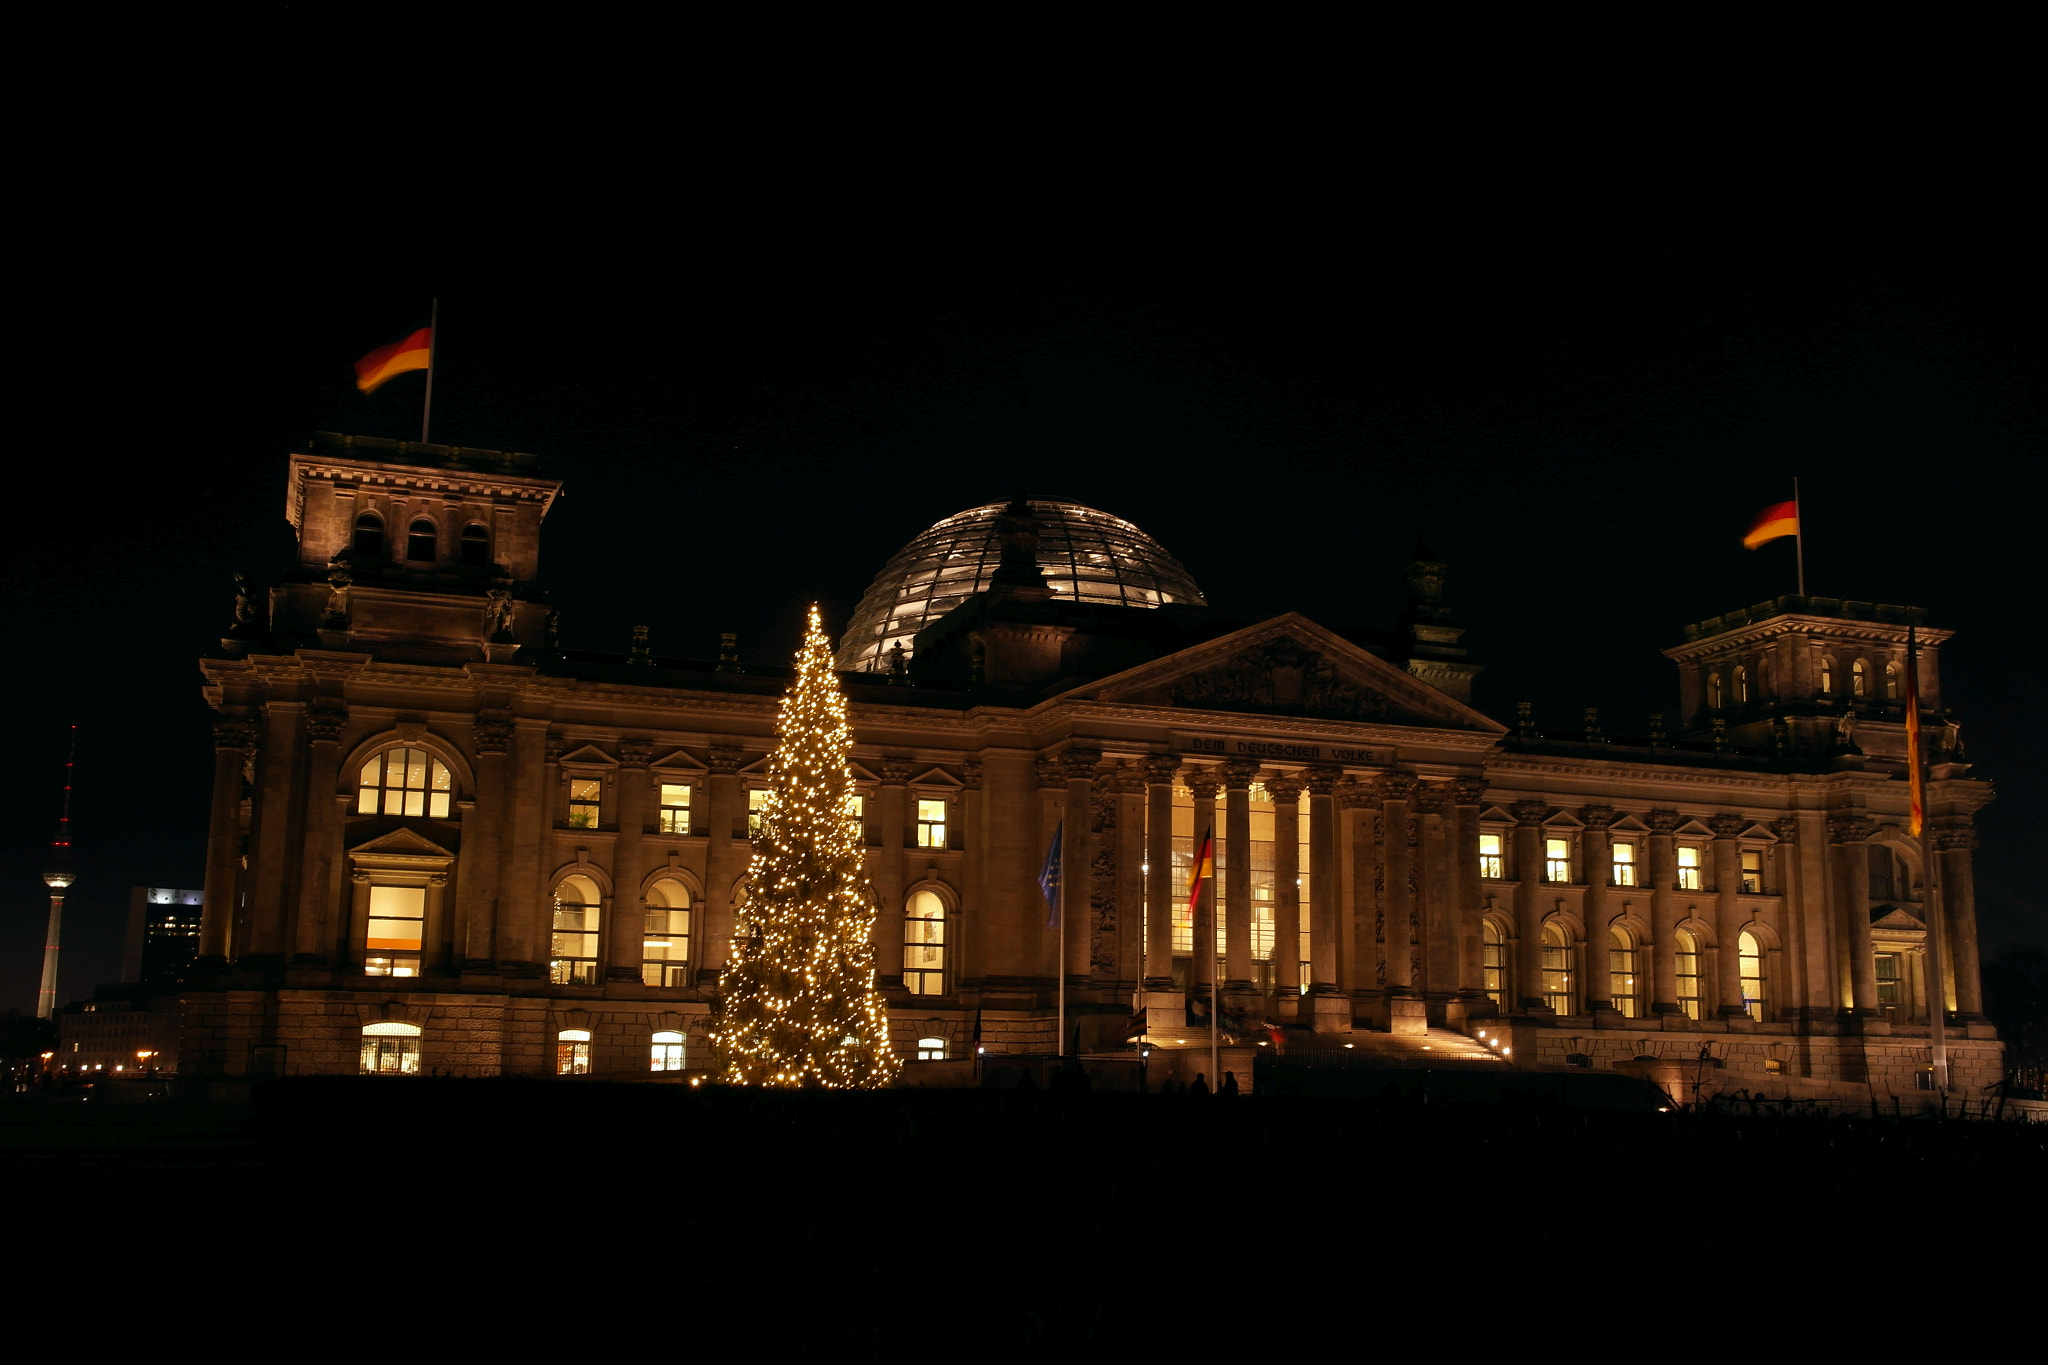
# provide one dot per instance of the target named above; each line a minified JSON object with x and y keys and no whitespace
{"x":109,"y":1037}
{"x":163,"y":934}
{"x":441,"y":842}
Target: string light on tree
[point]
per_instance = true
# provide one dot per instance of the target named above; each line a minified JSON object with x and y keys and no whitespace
{"x":798,"y":1006}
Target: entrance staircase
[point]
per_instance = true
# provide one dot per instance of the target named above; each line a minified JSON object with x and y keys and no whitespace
{"x":1438,"y":1048}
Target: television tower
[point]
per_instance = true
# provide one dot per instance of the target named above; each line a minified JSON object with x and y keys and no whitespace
{"x":57,"y":875}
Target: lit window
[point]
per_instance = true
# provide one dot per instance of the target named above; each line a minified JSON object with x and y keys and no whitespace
{"x":667,"y":1052}
{"x":369,"y":538}
{"x":572,"y":1052}
{"x":1859,"y":678}
{"x":931,"y":1049}
{"x":476,"y":547}
{"x":1490,"y":859}
{"x":924,"y":944}
{"x":856,"y":814}
{"x":586,"y":802}
{"x":1827,"y":674}
{"x":1891,"y":982}
{"x":1688,"y":867}
{"x":1686,"y":964}
{"x":1493,"y":962}
{"x":759,"y":802}
{"x":1891,"y":682}
{"x":1714,"y":691}
{"x":665,"y":956}
{"x":1752,"y":871}
{"x":1621,"y":970}
{"x":1557,"y":860}
{"x":572,"y":948}
{"x":391,"y":1049}
{"x":404,"y":782}
{"x":1741,"y":685}
{"x":395,"y":931}
{"x":420,"y":542}
{"x":1624,"y":860}
{"x":1750,"y":961}
{"x":1557,"y":969}
{"x":931,"y":824}
{"x":675,"y":808}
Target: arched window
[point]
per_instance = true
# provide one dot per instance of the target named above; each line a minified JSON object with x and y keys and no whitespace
{"x":1557,"y":968}
{"x":369,"y":537}
{"x":1859,"y":679}
{"x":665,"y":957}
{"x":1621,"y":970}
{"x":924,"y":944}
{"x":572,"y":1052}
{"x":1686,"y":955}
{"x":476,"y":547}
{"x":1713,"y":691}
{"x":1493,"y":962}
{"x":1751,"y":960}
{"x":422,"y":542}
{"x":1891,"y":682}
{"x":572,"y":949}
{"x":391,"y":1049}
{"x":404,"y":782}
{"x":1827,"y":675}
{"x":668,"y":1051}
{"x":1741,"y":685}
{"x":931,"y":1049}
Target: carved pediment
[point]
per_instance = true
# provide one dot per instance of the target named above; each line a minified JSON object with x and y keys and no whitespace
{"x":403,"y":841}
{"x":1893,"y":917}
{"x":1289,"y":666}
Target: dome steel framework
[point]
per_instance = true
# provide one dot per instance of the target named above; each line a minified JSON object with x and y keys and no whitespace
{"x":1088,"y":556}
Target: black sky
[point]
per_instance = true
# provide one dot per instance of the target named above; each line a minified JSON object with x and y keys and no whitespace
{"x":1578,"y":352}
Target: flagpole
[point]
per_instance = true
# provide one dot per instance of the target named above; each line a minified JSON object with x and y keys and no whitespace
{"x":433,"y":346}
{"x":1798,"y":535}
{"x":1930,"y":856}
{"x":1215,"y":985}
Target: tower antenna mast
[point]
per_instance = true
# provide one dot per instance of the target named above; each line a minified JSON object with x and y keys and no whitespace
{"x":57,"y":875}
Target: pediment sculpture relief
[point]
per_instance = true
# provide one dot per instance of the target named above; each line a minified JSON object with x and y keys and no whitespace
{"x":1280,"y":677}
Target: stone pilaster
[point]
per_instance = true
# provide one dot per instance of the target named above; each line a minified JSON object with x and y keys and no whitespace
{"x":1159,"y":775}
{"x":1596,"y":860}
{"x":320,"y":876}
{"x":892,"y":820}
{"x":1468,"y":794}
{"x":1286,"y":789}
{"x":1956,"y":845}
{"x":1329,"y":1006}
{"x":1849,"y":834}
{"x":1237,"y":900}
{"x":628,"y":928}
{"x":1728,"y":917}
{"x":725,"y":857}
{"x":1078,"y":858}
{"x":234,"y":739}
{"x":1529,"y":905}
{"x":1664,"y":911}
{"x":1204,"y":783}
{"x":476,"y":944}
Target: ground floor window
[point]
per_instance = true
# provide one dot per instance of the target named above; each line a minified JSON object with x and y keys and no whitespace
{"x":572,"y":1052}
{"x":931,"y":1049}
{"x":668,"y":1051}
{"x":391,"y":1049}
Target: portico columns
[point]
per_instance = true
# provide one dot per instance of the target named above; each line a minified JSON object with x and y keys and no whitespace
{"x":1159,"y":771}
{"x":1204,"y":782}
{"x":1285,"y":789}
{"x":1397,"y":901}
{"x":1664,"y":912}
{"x":1850,"y":834}
{"x":1466,"y":912}
{"x":1329,"y":1006}
{"x":1237,"y":903}
{"x":1528,"y":905}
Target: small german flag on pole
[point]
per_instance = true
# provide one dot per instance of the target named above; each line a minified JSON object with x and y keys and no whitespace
{"x":1915,"y":762}
{"x":386,"y":363}
{"x":1203,"y":868}
{"x":1778,"y":520}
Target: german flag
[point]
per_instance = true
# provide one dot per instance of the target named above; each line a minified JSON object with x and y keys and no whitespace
{"x":388,"y":362}
{"x":1915,"y":763}
{"x":1779,"y":519}
{"x":1203,"y":868}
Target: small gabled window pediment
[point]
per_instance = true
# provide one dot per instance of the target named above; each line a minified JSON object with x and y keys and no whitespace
{"x":679,"y":762}
{"x":589,"y":755}
{"x":936,"y":777}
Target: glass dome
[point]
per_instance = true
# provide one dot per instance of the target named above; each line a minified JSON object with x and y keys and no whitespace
{"x":1087,"y":555}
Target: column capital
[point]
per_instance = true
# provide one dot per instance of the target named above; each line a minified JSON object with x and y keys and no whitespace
{"x":1727,"y":826}
{"x":1352,"y":793}
{"x":1664,"y":821}
{"x":1469,"y":791}
{"x":1285,"y":788}
{"x":1432,"y":798}
{"x":970,"y":775}
{"x":1322,"y":780}
{"x":635,"y":753}
{"x":1052,"y":773}
{"x":1125,"y":778}
{"x":1204,"y":782}
{"x":1160,"y":769}
{"x":1529,"y":812}
{"x":1955,"y":838}
{"x":1786,"y":828}
{"x":1851,"y":829}
{"x":1239,"y":774}
{"x":725,"y":759}
{"x":1596,"y":817}
{"x":1397,"y":786}
{"x":493,"y":736}
{"x":896,"y":769}
{"x":234,"y":733}
{"x":1080,"y":763}
{"x":553,"y":747}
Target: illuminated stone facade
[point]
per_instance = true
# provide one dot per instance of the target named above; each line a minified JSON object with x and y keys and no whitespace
{"x":442,"y":843}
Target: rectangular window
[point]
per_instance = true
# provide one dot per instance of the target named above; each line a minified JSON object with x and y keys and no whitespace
{"x":667,"y":1052}
{"x":1688,"y":867}
{"x":758,"y":802}
{"x":1490,"y":859}
{"x":397,"y":926}
{"x":1752,"y":872}
{"x":1624,"y":864}
{"x":924,"y":944}
{"x":1891,"y":982}
{"x":1557,"y":860}
{"x":931,"y":824}
{"x":1621,"y":976}
{"x":675,"y":808}
{"x":856,"y":815}
{"x":572,"y":1052}
{"x":585,"y":795}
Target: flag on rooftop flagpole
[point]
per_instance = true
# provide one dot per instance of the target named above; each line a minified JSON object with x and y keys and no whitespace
{"x":1049,"y":877}
{"x":1779,"y":519}
{"x":385,"y":363}
{"x":1916,"y":777}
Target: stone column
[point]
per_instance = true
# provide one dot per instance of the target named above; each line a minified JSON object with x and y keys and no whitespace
{"x":1850,"y":834}
{"x":971,"y":937}
{"x":1596,"y":858}
{"x":1077,"y":859}
{"x":1469,"y":793}
{"x":1398,"y":903}
{"x":724,"y":858}
{"x":1329,"y":1006}
{"x":320,"y":873}
{"x":1204,"y":783}
{"x":628,"y":928}
{"x":234,"y":737}
{"x":1164,"y":1006}
{"x":1129,"y":908}
{"x":1052,"y":812}
{"x":892,"y":820}
{"x":1437,"y":977}
{"x":1529,"y":904}
{"x":1959,"y":903}
{"x":1728,"y":918}
{"x":524,"y":905}
{"x":1286,"y":789}
{"x":1237,"y":907}
{"x":1664,"y":912}
{"x":273,"y":834}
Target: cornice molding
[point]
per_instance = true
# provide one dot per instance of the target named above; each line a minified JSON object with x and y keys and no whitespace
{"x":1780,"y":627}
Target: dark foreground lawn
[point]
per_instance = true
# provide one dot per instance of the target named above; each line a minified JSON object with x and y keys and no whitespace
{"x":1004,"y":1222}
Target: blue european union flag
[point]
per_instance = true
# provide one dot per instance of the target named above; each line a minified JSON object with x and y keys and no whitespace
{"x":1049,"y":877}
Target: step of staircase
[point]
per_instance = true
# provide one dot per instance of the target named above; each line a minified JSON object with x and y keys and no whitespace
{"x":1364,"y":1047}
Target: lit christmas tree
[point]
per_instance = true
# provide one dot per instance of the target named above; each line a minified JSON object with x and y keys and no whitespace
{"x":799,"y":1006}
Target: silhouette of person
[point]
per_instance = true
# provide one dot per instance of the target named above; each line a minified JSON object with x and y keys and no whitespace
{"x":1201,"y":1085}
{"x":1229,"y":1086}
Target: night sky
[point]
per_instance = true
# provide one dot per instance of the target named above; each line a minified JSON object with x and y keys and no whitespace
{"x":1577,"y":376}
